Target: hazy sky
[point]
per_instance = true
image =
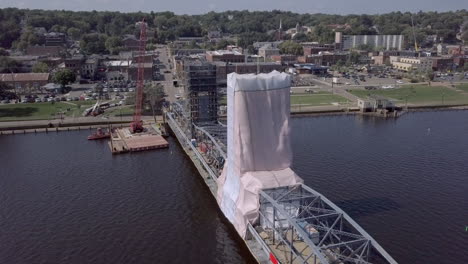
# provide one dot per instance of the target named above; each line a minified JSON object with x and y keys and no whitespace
{"x":203,"y":6}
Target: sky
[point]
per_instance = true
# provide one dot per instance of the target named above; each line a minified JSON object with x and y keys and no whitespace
{"x":204,"y":6}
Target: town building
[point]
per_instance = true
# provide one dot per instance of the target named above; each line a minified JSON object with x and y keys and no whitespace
{"x":37,"y":50}
{"x":267,"y":51}
{"x":284,"y":59}
{"x":223,"y":69}
{"x":309,"y":68}
{"x":184,"y":41}
{"x":27,"y":62}
{"x":324,"y":58}
{"x":89,"y":69}
{"x":460,"y":61}
{"x":74,"y":64}
{"x":55,"y":39}
{"x":225,"y":56}
{"x":130,"y":42}
{"x":375,"y":103}
{"x":274,"y":44}
{"x":148,"y":71}
{"x":443,"y":63}
{"x":347,"y":42}
{"x":311,"y":48}
{"x":25,"y":81}
{"x":298,"y":29}
{"x":413,"y":64}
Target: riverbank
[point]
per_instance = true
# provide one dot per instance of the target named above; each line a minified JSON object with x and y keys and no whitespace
{"x":86,"y":123}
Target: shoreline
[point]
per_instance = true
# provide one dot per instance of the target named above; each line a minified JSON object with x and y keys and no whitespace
{"x":25,"y":126}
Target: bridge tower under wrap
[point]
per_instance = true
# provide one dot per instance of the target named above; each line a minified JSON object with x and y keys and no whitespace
{"x":259,"y":152}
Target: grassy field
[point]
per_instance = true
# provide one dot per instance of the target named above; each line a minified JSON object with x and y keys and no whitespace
{"x":418,"y":95}
{"x":37,"y":111}
{"x":463,"y":87}
{"x":315,"y":99}
{"x":322,"y":98}
{"x":124,"y":110}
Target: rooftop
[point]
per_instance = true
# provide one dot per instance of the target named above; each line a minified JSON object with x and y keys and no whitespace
{"x":224,"y":52}
{"x":8,"y":77}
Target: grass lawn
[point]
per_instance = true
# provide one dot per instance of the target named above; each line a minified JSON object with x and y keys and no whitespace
{"x":36,"y":111}
{"x":127,"y":110}
{"x":315,"y":99}
{"x":418,"y":94}
{"x":463,"y":87}
{"x":322,"y":98}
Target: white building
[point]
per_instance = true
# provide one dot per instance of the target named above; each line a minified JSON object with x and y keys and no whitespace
{"x":388,"y":42}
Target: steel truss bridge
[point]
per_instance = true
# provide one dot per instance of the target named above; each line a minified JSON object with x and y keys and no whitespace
{"x":296,"y":223}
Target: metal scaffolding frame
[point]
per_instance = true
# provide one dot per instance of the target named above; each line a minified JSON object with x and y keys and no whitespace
{"x":302,"y":226}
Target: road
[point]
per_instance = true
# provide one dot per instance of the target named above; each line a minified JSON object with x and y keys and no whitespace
{"x":168,"y":83}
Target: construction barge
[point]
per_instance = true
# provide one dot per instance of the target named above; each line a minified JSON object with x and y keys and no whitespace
{"x":122,"y":140}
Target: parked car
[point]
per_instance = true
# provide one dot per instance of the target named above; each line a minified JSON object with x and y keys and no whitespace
{"x":38,"y":100}
{"x":6,"y":101}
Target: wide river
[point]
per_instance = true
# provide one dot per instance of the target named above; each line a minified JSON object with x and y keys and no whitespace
{"x":64,"y":199}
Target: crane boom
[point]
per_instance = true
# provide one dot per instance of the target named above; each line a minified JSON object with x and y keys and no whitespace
{"x":137,"y":124}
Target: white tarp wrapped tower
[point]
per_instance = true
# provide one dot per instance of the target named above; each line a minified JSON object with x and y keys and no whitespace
{"x":258,"y":145}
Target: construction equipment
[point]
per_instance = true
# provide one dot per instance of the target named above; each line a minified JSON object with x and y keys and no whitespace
{"x":416,"y":48}
{"x":137,"y":124}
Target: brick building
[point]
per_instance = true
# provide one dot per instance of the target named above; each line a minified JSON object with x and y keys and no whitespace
{"x":25,"y":80}
{"x":225,"y":56}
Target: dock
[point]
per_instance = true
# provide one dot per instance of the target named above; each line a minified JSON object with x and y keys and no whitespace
{"x":122,"y":140}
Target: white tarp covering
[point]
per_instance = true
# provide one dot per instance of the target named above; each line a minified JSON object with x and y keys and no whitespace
{"x":259,"y":151}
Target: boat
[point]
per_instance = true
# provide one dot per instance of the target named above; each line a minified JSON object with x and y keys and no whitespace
{"x":99,"y":134}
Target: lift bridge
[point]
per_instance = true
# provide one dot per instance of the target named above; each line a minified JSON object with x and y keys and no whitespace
{"x":296,"y":223}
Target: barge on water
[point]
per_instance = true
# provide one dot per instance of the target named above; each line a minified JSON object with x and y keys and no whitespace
{"x":123,"y":140}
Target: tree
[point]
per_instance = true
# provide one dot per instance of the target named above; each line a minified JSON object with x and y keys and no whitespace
{"x":40,"y":67}
{"x":153,"y":98}
{"x":93,"y":43}
{"x":114,"y":45}
{"x":301,"y":37}
{"x":8,"y":65}
{"x":64,"y":77}
{"x":74,"y":33}
{"x":291,"y":47}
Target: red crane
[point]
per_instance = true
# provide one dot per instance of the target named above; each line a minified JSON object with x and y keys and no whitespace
{"x":137,"y":124}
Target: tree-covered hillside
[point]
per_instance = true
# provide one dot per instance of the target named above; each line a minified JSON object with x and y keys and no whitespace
{"x":17,"y":25}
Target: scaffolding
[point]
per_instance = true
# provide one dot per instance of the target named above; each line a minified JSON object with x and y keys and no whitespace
{"x":201,"y":91}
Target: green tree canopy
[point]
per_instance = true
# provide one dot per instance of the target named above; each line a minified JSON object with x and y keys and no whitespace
{"x":8,"y":65}
{"x":114,"y":45}
{"x":64,"y":77}
{"x":291,"y":47}
{"x":40,"y":67}
{"x":93,"y":43}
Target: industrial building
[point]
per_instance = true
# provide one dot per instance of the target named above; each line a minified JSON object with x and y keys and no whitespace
{"x":346,"y":42}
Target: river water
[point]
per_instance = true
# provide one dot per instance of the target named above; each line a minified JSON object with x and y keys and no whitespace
{"x":64,"y":199}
